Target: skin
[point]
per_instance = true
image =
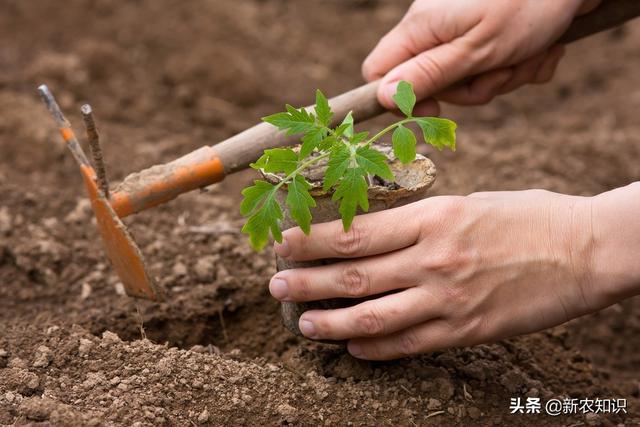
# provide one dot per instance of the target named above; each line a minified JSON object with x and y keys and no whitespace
{"x":495,"y":47}
{"x":465,"y":270}
{"x":474,"y":269}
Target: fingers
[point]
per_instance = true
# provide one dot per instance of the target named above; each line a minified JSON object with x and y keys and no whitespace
{"x":370,"y":234}
{"x":480,"y":90}
{"x":547,"y":69}
{"x":347,"y":279}
{"x":429,"y":107}
{"x":422,"y":338}
{"x":371,"y":318}
{"x":527,"y":71}
{"x":429,"y":71}
{"x":392,"y":49}
{"x":484,"y":87}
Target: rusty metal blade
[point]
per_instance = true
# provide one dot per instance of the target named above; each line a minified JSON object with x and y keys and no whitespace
{"x":124,"y":254}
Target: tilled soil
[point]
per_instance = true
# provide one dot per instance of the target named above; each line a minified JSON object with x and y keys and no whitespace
{"x":166,"y":77}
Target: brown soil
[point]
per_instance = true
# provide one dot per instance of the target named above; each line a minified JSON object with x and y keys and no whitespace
{"x":166,"y":77}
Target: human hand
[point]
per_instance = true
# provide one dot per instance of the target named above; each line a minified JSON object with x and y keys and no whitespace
{"x":501,"y":45}
{"x":464,"y":270}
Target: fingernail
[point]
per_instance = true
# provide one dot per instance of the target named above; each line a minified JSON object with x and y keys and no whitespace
{"x":279,"y":288}
{"x":354,"y":349}
{"x":307,"y":328}
{"x":283,"y":249}
{"x":389,"y":91}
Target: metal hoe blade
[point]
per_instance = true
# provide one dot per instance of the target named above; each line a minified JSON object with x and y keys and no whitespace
{"x":120,"y":246}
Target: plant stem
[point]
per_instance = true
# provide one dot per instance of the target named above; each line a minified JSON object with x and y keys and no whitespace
{"x":300,"y":168}
{"x":387,"y":129}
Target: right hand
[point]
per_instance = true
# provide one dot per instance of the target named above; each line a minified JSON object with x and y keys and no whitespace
{"x":502,"y":45}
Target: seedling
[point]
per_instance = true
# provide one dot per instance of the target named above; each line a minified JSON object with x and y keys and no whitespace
{"x":352,"y":161}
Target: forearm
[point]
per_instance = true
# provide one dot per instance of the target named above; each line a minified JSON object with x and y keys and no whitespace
{"x":616,"y":244}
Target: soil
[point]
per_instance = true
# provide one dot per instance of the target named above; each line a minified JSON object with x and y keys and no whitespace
{"x":166,"y":77}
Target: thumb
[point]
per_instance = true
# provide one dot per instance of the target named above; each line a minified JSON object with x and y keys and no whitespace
{"x":429,"y":71}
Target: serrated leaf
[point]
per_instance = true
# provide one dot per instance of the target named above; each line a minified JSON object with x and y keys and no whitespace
{"x":351,"y":192}
{"x":323,"y":110}
{"x":328,"y":143}
{"x":374,"y":163}
{"x":299,"y":201}
{"x":266,"y":219}
{"x":404,"y":98}
{"x":254,"y":195}
{"x":339,"y":160}
{"x":294,"y":120}
{"x":359,"y":137}
{"x":276,"y":160}
{"x":346,"y":127}
{"x":404,"y":144}
{"x":311,"y":140}
{"x":438,"y":132}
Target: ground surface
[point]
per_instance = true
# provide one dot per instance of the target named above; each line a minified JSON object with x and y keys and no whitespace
{"x":168,"y":76}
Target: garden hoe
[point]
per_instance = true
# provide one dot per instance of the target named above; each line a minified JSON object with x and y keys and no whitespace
{"x":210,"y":164}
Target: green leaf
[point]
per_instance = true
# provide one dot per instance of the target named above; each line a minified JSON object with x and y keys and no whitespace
{"x":299,"y":201}
{"x":347,"y":126}
{"x":438,"y":132}
{"x":328,"y":143}
{"x":323,"y":110}
{"x":351,"y":192}
{"x":374,"y":163}
{"x":404,"y":98}
{"x":254,"y":195}
{"x":339,"y":160}
{"x":293,"y":121}
{"x":359,"y":137}
{"x":311,"y":140}
{"x":277,"y":160}
{"x":404,"y":144}
{"x":266,"y":218}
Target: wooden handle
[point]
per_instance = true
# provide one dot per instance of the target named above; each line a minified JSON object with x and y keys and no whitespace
{"x":208,"y":165}
{"x":238,"y":151}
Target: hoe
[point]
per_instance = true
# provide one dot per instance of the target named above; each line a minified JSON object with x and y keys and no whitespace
{"x":210,"y":164}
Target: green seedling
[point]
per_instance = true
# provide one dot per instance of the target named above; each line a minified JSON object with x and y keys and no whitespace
{"x":352,"y":161}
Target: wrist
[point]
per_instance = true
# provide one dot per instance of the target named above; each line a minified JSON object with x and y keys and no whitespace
{"x":615,"y":229}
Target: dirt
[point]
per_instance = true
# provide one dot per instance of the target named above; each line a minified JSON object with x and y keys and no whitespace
{"x":166,"y":77}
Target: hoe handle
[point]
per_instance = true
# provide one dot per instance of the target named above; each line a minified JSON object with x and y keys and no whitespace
{"x":208,"y":165}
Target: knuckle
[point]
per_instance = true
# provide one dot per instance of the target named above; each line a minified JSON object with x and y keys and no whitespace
{"x":297,"y":240}
{"x":349,"y":243}
{"x":456,"y":297}
{"x":354,"y":281}
{"x":370,"y":322}
{"x":301,"y":287}
{"x":451,"y":207}
{"x":431,"y":71}
{"x":471,"y":330}
{"x":409,"y":343}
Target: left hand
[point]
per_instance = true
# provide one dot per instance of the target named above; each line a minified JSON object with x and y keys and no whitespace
{"x":466,"y":270}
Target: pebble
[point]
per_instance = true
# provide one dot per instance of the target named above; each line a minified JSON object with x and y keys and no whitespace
{"x":110,"y":337}
{"x":179,"y":269}
{"x":203,"y":417}
{"x":204,"y":268}
{"x":16,"y":362}
{"x":434,"y":404}
{"x":44,"y":356}
{"x":85,"y":346}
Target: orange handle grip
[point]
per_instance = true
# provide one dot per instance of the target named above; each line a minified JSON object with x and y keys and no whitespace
{"x":162,"y":183}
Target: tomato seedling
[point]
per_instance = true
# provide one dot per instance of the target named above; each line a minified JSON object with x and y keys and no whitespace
{"x":351,"y":159}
